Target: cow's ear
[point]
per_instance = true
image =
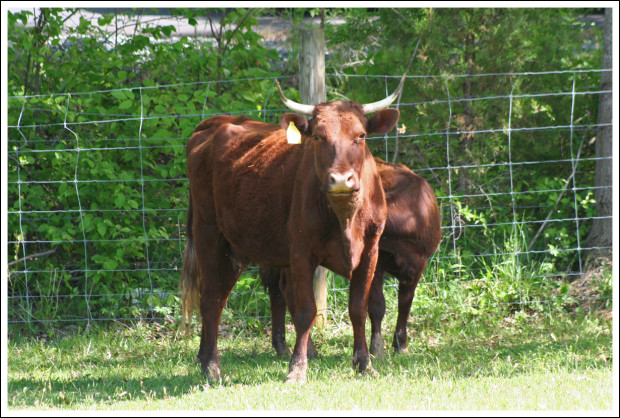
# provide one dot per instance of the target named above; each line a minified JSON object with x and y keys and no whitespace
{"x":382,"y":121}
{"x":300,"y":122}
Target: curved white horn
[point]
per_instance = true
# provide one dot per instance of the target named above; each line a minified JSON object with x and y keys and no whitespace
{"x":382,"y":104}
{"x":304,"y":109}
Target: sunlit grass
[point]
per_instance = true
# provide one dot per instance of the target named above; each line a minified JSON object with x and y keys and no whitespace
{"x":524,"y":361}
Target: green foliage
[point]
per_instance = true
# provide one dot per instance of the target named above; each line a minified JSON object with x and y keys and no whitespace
{"x":249,"y":301}
{"x":120,"y":131}
{"x":499,"y":249}
{"x":115,"y":112}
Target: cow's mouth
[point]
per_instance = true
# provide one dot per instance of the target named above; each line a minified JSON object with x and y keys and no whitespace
{"x":342,"y":193}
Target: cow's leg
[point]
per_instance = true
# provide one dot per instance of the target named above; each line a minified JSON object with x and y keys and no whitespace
{"x":301,"y":299}
{"x":405,"y":297}
{"x":406,"y":291}
{"x":376,"y":312}
{"x":358,"y":309}
{"x":290,"y":303}
{"x":218,"y":276}
{"x":278,"y":314}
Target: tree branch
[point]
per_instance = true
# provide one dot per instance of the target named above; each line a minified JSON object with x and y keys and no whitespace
{"x":41,"y":254}
{"x":398,"y":101}
{"x":544,"y":224}
{"x":248,"y":14}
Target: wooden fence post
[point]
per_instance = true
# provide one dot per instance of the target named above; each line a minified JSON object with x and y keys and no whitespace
{"x":312,"y":91}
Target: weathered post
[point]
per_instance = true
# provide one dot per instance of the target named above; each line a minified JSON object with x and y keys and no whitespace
{"x":312,"y":66}
{"x":601,"y":233}
{"x":312,"y":91}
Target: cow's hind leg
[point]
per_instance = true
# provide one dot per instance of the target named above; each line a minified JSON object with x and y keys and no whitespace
{"x":278,"y":312}
{"x":376,"y":312}
{"x":218,"y":277}
{"x":406,"y":291}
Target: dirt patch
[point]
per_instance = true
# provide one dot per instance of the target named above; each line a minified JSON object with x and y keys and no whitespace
{"x":592,"y":290}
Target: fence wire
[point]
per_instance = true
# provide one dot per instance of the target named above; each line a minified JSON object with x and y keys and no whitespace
{"x":64,"y":253}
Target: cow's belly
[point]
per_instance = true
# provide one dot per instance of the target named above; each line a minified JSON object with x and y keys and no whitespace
{"x":254,"y":235}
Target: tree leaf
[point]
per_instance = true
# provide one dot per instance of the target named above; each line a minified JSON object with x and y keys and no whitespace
{"x":125,"y":104}
{"x":101,"y":228}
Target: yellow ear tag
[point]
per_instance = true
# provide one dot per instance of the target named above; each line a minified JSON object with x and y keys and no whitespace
{"x":293,"y":136}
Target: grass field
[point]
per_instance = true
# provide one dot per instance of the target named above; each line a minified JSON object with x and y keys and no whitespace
{"x":535,"y":361}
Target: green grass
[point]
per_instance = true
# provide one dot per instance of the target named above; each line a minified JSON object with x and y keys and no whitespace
{"x":537,"y":361}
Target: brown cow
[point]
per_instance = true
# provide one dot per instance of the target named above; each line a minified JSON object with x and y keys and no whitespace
{"x":411,"y":235}
{"x":254,"y":198}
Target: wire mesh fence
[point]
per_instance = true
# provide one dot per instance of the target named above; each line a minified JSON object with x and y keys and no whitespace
{"x":97,"y":192}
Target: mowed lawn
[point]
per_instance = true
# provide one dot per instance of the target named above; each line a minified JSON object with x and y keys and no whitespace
{"x":536,"y":361}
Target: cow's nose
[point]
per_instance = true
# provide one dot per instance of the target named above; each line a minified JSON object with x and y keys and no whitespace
{"x":342,"y":182}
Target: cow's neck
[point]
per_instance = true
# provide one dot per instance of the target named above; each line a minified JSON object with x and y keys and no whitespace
{"x":346,"y":209}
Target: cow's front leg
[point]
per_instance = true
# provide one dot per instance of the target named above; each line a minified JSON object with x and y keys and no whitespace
{"x":300,"y":281}
{"x":358,"y":309}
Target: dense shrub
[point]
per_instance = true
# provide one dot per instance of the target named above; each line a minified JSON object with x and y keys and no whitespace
{"x":98,"y":122}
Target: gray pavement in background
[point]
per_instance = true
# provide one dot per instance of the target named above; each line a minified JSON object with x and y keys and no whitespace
{"x":270,"y":28}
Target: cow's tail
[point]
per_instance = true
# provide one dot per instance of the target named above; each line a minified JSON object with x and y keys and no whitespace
{"x":189,"y":284}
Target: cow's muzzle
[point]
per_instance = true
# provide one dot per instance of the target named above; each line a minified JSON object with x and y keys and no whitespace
{"x":342,"y":183}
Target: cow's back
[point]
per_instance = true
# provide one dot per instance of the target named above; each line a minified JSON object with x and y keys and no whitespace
{"x":244,"y":171}
{"x":413,"y":215}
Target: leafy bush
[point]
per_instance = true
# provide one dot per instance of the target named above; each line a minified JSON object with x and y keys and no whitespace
{"x":97,"y":174}
{"x":99,"y":121}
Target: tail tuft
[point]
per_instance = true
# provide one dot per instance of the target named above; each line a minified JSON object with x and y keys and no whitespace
{"x":189,"y":284}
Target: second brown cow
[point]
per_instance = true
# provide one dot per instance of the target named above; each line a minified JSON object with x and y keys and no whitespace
{"x":411,"y":235}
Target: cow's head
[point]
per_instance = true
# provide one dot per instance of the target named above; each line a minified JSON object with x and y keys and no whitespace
{"x":339,"y":131}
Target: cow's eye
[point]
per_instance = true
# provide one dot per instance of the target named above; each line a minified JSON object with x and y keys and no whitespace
{"x":362,"y":136}
{"x":316,"y":137}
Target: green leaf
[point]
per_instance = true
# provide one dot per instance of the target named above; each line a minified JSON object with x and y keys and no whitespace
{"x":119,"y":200}
{"x":161,"y":134}
{"x":101,"y":228}
{"x":119,"y":94}
{"x":27,"y":44}
{"x":125,"y":105}
{"x":110,"y":264}
{"x":168,"y":30}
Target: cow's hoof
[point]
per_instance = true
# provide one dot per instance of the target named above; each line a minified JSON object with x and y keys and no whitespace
{"x":400,"y":343}
{"x":363,"y":366}
{"x":369,"y":371}
{"x":212,"y":373}
{"x":283,"y":351}
{"x":376,"y":348}
{"x":401,"y":350}
{"x":296,"y":377}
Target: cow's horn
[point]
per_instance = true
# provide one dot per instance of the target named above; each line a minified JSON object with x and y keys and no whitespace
{"x":304,"y":109}
{"x":382,"y":104}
